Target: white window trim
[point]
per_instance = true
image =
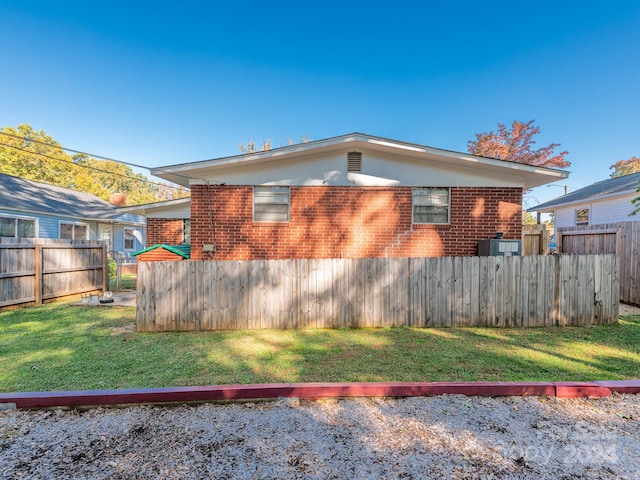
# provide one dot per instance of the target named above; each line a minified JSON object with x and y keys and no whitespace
{"x":575,"y":216}
{"x":448,"y":222}
{"x":81,"y":224}
{"x":124,"y":245}
{"x":23,"y":217}
{"x":253,"y":203}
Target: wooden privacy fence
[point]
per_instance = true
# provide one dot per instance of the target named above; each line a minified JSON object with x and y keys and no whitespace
{"x":535,"y":240}
{"x":378,"y":292}
{"x":621,"y":238}
{"x":36,"y":271}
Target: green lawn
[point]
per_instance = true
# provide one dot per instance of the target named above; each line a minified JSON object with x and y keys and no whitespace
{"x":67,"y":347}
{"x":127,"y":282}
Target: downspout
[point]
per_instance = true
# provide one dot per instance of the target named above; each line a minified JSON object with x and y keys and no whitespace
{"x":211,"y":251}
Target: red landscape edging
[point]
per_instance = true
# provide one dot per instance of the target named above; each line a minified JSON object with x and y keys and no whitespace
{"x":93,"y":398}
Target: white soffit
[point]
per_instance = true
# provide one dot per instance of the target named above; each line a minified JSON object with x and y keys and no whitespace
{"x":196,"y":172}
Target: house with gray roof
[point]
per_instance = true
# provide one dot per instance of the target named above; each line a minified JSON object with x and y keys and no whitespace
{"x":608,"y":201}
{"x":30,"y":209}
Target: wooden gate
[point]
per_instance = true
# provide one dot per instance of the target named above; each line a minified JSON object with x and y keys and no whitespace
{"x":620,"y":238}
{"x":535,"y":240}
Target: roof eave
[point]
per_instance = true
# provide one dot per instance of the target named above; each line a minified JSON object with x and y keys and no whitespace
{"x":150,"y":206}
{"x":551,"y":205}
{"x":193,"y":172}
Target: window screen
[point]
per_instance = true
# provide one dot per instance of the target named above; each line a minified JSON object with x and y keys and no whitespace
{"x":582,"y":216}
{"x":17,"y":227}
{"x":270,"y":204}
{"x":66,"y":231}
{"x":26,"y":228}
{"x":71,"y":231}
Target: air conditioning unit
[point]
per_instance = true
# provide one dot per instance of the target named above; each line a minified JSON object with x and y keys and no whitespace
{"x":498,"y":247}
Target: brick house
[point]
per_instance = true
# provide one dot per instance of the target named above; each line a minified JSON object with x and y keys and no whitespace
{"x":352,"y":196}
{"x":169,"y":221}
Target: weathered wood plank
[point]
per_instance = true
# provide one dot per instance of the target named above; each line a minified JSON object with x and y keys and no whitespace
{"x":441,"y":292}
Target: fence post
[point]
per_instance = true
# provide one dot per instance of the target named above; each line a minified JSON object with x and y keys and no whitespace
{"x":105,"y":269}
{"x":38,"y":263}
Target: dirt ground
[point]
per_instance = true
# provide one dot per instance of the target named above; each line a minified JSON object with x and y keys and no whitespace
{"x":434,"y":437}
{"x":448,"y":436}
{"x":629,"y":309}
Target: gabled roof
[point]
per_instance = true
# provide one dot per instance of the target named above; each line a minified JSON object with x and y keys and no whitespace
{"x":531,"y":176}
{"x":182,"y":250}
{"x":611,"y":187}
{"x":21,"y":195}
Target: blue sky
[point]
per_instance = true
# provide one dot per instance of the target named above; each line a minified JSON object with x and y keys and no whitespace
{"x":158,"y":83}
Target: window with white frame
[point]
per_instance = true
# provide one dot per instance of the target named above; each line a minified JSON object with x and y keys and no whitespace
{"x":73,"y":231}
{"x":582,"y":216}
{"x":270,"y":204}
{"x":431,"y":205}
{"x":17,"y":227}
{"x":129,"y":239}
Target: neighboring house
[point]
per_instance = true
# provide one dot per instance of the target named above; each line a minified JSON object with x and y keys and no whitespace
{"x":31,"y":209}
{"x":168,"y":222}
{"x":352,"y":196}
{"x":608,"y":201}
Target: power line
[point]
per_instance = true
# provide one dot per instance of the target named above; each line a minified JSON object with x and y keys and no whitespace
{"x":19,"y":137}
{"x":83,"y":166}
{"x":65,"y":149}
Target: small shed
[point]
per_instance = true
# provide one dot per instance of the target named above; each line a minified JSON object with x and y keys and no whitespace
{"x":164,"y":253}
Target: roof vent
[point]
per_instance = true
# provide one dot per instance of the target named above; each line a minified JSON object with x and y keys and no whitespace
{"x":354,"y":162}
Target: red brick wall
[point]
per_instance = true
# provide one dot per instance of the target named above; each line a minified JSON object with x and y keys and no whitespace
{"x":166,"y":231}
{"x":350,"y":222}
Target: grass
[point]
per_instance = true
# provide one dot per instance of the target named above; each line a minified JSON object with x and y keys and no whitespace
{"x":127,"y":282}
{"x":67,"y":347}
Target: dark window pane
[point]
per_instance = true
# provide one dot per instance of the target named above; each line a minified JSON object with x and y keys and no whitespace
{"x":66,"y":231}
{"x":26,"y":228}
{"x":129,"y":239}
{"x":79,"y":232}
{"x":7,"y":227}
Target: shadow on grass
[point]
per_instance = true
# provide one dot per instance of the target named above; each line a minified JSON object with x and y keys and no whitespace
{"x":65,"y":347}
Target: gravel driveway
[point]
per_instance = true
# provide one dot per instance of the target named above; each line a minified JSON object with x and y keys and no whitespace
{"x":433,"y":437}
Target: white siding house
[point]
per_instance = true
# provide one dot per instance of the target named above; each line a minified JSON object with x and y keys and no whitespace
{"x":608,"y":201}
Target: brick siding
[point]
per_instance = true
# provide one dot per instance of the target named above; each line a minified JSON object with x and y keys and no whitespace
{"x":349,"y":222}
{"x":164,"y":231}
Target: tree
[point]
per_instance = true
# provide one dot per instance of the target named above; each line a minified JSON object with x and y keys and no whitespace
{"x":625,"y":167}
{"x":528,"y":218}
{"x":516,"y":145}
{"x":34,"y":155}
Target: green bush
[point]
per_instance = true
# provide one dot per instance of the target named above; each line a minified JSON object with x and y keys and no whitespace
{"x":113,"y":268}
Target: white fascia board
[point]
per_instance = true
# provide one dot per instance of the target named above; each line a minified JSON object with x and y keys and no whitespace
{"x":585,"y":201}
{"x":144,"y":207}
{"x":203,"y":171}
